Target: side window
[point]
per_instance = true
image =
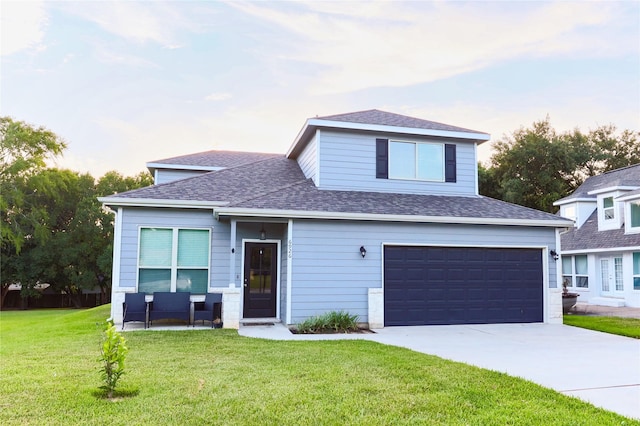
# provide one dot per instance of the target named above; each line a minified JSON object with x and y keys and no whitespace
{"x":608,"y":209}
{"x":636,"y":270}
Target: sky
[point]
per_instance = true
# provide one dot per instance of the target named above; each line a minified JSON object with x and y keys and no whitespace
{"x":126,"y":83}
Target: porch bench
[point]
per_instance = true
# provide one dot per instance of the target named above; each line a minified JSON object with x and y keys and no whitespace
{"x":167,"y":305}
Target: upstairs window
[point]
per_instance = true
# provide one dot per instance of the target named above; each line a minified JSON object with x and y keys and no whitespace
{"x":420,"y":161}
{"x":634,"y":220}
{"x":608,"y":209}
{"x":423,"y":161}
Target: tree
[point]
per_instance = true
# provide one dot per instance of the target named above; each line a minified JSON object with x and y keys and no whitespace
{"x":536,"y":166}
{"x":24,"y":150}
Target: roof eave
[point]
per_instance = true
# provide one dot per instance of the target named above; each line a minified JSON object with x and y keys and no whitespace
{"x":300,"y":214}
{"x":147,"y":202}
{"x":177,"y":166}
{"x":573,"y":200}
{"x":612,"y":189}
{"x":313,"y":123}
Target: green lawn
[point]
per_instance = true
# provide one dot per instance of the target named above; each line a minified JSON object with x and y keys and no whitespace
{"x":629,"y":327}
{"x":49,"y":375}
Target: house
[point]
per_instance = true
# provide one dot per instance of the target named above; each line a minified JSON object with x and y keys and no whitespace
{"x":373,"y":213}
{"x":601,"y":254}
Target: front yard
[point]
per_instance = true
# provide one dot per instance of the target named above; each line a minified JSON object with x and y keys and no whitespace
{"x":49,"y":375}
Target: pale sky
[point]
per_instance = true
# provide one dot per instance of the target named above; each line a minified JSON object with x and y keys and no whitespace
{"x":125,"y":83}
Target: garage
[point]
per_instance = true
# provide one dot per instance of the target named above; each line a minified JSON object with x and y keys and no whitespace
{"x":462,"y":285}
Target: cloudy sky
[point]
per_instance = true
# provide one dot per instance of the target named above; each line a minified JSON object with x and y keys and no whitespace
{"x":125,"y":83}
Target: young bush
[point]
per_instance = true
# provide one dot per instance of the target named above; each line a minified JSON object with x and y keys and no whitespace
{"x":113,"y":353}
{"x":330,"y":322}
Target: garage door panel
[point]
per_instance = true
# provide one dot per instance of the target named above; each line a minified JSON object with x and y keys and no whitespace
{"x":461,"y":285}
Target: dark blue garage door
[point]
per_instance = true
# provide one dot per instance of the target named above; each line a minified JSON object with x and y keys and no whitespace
{"x":462,"y":285}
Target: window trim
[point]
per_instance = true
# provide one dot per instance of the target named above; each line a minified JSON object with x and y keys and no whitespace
{"x":629,"y":228}
{"x":173,"y":267}
{"x":574,"y":275}
{"x":417,"y":162}
{"x":635,"y":273}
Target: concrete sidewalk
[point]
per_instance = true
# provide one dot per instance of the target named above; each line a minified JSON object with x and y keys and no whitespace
{"x":600,"y":368}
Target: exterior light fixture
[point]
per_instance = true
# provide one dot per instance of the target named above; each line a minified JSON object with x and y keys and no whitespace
{"x":363,"y":251}
{"x":263,"y":233}
{"x":554,"y":254}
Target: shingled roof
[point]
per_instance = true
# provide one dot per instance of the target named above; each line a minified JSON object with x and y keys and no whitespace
{"x":278,"y":184}
{"x":383,"y":118}
{"x":215,"y":159}
{"x":587,"y":237}
{"x":625,"y":177}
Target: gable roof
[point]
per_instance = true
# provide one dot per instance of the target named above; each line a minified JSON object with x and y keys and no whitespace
{"x":276,"y":187}
{"x":588,"y":238}
{"x":209,"y":160}
{"x":626,"y":177}
{"x":382,"y":122}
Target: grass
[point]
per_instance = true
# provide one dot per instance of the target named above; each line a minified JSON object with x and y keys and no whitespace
{"x":628,"y":327}
{"x":49,"y":375}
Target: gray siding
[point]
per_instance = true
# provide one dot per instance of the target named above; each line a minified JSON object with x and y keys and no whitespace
{"x":307,"y":160}
{"x":348,"y":162}
{"x":134,"y":218}
{"x":330,"y":274}
{"x":164,"y":176}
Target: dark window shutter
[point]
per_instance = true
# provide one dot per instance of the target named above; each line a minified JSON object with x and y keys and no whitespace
{"x":449,"y":163}
{"x":382,"y":158}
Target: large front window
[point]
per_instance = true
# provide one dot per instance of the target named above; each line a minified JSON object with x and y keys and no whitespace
{"x":172,"y":259}
{"x":575,"y":271}
{"x":415,"y":160}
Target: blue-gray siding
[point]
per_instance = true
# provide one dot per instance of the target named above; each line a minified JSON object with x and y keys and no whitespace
{"x":307,"y":160}
{"x":348,"y":162}
{"x":134,"y":218}
{"x":330,"y":274}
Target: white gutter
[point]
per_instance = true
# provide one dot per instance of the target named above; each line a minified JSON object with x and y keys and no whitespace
{"x":146,"y":202}
{"x":298,"y":214}
{"x":602,"y":250}
{"x":612,"y":189}
{"x":573,"y":200}
{"x":182,"y":167}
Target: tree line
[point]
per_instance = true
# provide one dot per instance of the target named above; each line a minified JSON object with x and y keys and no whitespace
{"x":536,"y":166}
{"x":53,"y":229}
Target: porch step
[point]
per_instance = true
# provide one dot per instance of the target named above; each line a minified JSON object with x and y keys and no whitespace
{"x":260,"y":321}
{"x":607,"y":301}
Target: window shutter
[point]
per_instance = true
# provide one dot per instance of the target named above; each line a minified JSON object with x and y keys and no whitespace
{"x":382,"y":158}
{"x":449,"y":163}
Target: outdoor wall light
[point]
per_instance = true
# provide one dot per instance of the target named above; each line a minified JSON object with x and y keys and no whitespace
{"x":554,"y":254}
{"x":263,"y":233}
{"x":363,"y":251}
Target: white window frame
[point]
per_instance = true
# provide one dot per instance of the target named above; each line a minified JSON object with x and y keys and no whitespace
{"x":635,"y":273}
{"x":574,"y":275}
{"x":174,"y":256}
{"x":611,"y":209}
{"x":629,"y":229}
{"x":417,"y":162}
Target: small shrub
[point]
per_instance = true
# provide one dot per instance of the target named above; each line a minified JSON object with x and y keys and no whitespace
{"x":330,"y":322}
{"x":112,"y":356}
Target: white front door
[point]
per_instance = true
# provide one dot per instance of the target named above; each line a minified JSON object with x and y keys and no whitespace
{"x":611,"y":276}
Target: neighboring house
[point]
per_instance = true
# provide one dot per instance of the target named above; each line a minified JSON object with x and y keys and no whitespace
{"x":373,"y":213}
{"x":601,"y":255}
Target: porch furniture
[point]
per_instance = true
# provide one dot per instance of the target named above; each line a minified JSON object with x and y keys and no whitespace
{"x":167,"y":305}
{"x":134,"y":308}
{"x":207,"y":310}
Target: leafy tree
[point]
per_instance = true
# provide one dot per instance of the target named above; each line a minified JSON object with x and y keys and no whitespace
{"x":536,"y":166}
{"x":24,"y":150}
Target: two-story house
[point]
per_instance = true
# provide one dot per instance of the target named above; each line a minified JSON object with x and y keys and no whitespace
{"x":601,"y":254}
{"x":373,"y":213}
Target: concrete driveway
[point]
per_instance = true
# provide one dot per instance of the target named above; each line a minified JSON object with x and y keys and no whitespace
{"x":600,"y":368}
